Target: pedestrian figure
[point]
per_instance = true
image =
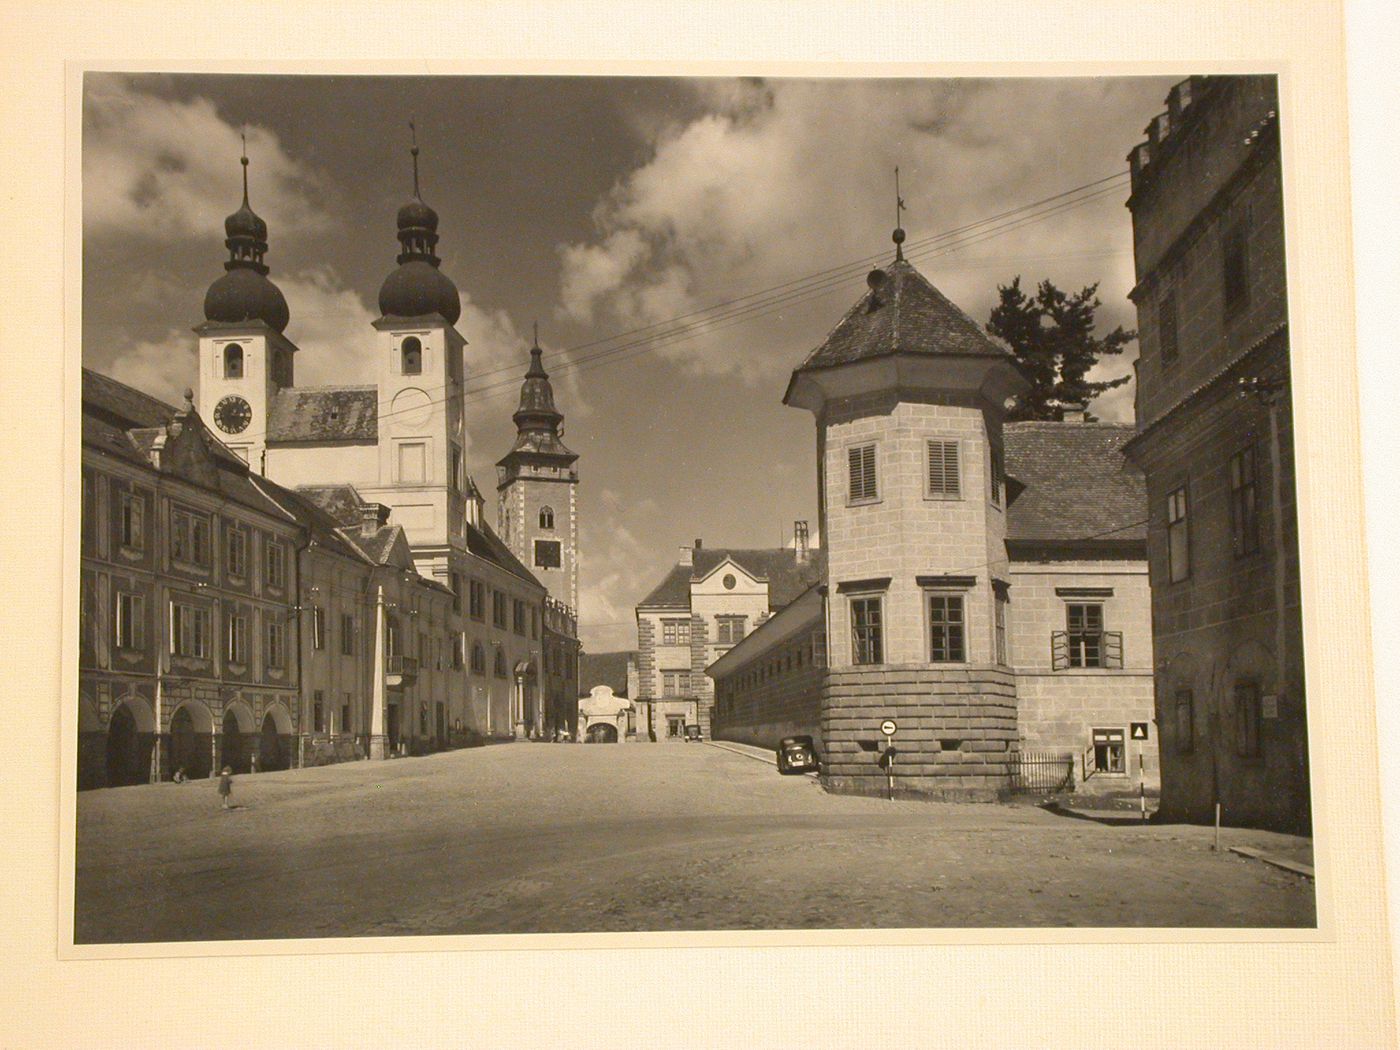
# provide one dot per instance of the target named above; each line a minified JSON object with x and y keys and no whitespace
{"x":253,"y":762}
{"x":226,"y":784}
{"x":179,"y":776}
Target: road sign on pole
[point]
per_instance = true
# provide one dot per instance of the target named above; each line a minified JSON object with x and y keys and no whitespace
{"x":888,"y":727}
{"x":1139,"y":731}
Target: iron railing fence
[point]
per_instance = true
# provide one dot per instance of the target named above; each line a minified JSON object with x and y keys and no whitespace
{"x":1042,"y":773}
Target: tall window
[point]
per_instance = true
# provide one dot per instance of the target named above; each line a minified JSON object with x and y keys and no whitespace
{"x":998,"y":476}
{"x":1247,"y":718}
{"x":498,"y":609}
{"x":1084,"y":627}
{"x":1235,"y":266}
{"x":500,"y":662}
{"x":675,"y":632}
{"x":1244,"y":503}
{"x":518,"y":617}
{"x":867,"y":640}
{"x":546,"y":517}
{"x":237,"y":551}
{"x":237,"y":651}
{"x":413,"y":463}
{"x":1178,"y":537}
{"x":944,"y":480}
{"x":1185,"y":720}
{"x":673,"y":683}
{"x":731,"y":629}
{"x":347,"y":634}
{"x":476,"y":595}
{"x":459,"y":649}
{"x":478,"y":659}
{"x":947,"y":634}
{"x":276,"y":646}
{"x":276,"y":564}
{"x":131,"y":621}
{"x":534,"y":622}
{"x":412,"y":351}
{"x":233,"y":361}
{"x":345,"y":722}
{"x":458,"y":478}
{"x":864,"y":487}
{"x":189,"y":634}
{"x":189,"y":537}
{"x":1166,"y":327}
{"x":133,"y":522}
{"x":318,"y":711}
{"x":456,"y":579}
{"x":999,"y":625}
{"x":318,"y":627}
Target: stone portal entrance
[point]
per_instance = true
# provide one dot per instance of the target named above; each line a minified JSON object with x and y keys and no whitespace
{"x":190,"y":750}
{"x":602,"y":733}
{"x":126,"y":758}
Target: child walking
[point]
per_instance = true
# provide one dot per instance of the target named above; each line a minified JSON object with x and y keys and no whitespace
{"x":225,"y":784}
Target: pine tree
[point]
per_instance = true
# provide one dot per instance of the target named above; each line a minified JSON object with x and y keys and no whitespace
{"x":1052,"y":336}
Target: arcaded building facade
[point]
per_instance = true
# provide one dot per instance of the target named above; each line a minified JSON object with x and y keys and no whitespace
{"x":1215,"y":441}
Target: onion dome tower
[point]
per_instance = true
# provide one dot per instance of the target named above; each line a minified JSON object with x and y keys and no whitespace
{"x":418,"y":288}
{"x":537,"y":489}
{"x":244,"y":292}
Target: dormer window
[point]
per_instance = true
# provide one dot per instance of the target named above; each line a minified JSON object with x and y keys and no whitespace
{"x":233,"y":361}
{"x":412,"y":356}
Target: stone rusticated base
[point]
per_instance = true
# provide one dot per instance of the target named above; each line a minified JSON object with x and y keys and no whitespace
{"x":930,"y":705}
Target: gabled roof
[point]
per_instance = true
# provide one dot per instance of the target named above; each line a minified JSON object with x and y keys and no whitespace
{"x":326,"y":413}
{"x":123,"y":405}
{"x":1079,"y":487}
{"x":778,"y":565}
{"x":902,"y":313}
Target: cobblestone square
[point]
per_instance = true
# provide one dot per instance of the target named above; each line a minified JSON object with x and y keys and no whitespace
{"x":528,"y":838}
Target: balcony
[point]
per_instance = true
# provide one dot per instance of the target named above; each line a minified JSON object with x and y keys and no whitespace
{"x":400,"y":671}
{"x":1077,"y":650}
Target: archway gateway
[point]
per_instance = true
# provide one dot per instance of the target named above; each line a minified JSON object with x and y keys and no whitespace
{"x":127,"y":760}
{"x":274,"y":742}
{"x":231,"y":744}
{"x":602,"y":733}
{"x":190,"y":731}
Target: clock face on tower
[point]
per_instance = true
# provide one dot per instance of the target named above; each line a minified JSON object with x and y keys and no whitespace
{"x":232,"y":414}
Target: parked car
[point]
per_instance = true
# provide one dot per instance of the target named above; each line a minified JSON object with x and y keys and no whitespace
{"x":797,"y":754}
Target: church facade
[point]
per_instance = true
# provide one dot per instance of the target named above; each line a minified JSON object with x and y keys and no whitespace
{"x":984,"y":583}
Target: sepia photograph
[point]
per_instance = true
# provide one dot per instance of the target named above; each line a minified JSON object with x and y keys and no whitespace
{"x":545,"y":504}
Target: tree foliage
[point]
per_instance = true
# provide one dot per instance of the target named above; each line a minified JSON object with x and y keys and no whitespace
{"x":1052,"y":335}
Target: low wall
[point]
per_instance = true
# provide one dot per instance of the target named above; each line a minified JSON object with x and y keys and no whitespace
{"x":957,"y":735}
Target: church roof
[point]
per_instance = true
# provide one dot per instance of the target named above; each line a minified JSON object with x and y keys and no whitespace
{"x":778,"y":565}
{"x":901,"y":313}
{"x":1079,"y":487}
{"x":324,"y":413}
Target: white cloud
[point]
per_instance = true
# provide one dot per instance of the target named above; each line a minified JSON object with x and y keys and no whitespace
{"x":780,"y":179}
{"x":165,"y":169}
{"x":163,"y":368}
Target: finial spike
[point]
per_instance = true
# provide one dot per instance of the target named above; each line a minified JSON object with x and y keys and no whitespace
{"x":536,"y":344}
{"x":413,"y":129}
{"x":243,"y":134}
{"x":898,"y":230}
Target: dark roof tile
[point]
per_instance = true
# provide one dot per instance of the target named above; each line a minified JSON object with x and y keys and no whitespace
{"x":1078,"y":484}
{"x":327,"y":413}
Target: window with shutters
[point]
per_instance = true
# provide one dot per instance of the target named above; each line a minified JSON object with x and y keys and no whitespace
{"x":998,"y":476}
{"x":1244,"y":504}
{"x":1178,"y":537}
{"x":864,"y":485}
{"x":944,"y":480}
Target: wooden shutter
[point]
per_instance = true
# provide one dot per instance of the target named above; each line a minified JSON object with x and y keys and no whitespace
{"x":1113,"y":649}
{"x":943,"y":469}
{"x":862,"y":466}
{"x":1059,"y":650}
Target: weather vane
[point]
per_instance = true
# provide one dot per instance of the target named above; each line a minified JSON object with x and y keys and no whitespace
{"x":243,"y":134}
{"x":413,"y":130}
{"x":898,"y":207}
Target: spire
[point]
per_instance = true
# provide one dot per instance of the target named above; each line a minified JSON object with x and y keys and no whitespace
{"x":244,"y":293}
{"x":244,"y":161}
{"x":246,"y":233}
{"x":417,"y":222}
{"x":898,"y":236}
{"x":536,"y":370}
{"x":413,"y":130}
{"x":418,"y":288}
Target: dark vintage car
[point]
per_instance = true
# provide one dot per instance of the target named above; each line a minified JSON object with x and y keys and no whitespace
{"x":797,"y":754}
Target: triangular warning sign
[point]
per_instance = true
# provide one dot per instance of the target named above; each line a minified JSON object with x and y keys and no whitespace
{"x":1139,"y":730}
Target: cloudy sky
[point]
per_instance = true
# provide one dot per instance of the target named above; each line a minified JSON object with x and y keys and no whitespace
{"x":681,"y":243}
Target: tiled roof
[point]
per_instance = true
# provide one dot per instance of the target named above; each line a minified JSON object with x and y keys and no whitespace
{"x":326,"y":413}
{"x":608,"y":669}
{"x":902,"y":314}
{"x":486,"y":544}
{"x":778,"y":565}
{"x":341,"y":502}
{"x":123,"y":405}
{"x":1078,"y":484}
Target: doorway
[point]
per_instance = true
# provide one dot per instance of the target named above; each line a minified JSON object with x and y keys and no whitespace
{"x":231,"y":744}
{"x":124,"y":751}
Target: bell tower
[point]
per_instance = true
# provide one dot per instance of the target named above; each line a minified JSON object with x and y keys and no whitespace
{"x":244,"y":359}
{"x":538,"y":488}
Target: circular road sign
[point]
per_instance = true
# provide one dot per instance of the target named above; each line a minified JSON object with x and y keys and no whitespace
{"x":888,"y":727}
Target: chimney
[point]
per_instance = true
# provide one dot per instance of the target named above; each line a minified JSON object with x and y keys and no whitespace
{"x":687,"y":557}
{"x":697,"y":543}
{"x":372,"y":518}
{"x":1074,"y":413}
{"x":799,"y":542}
